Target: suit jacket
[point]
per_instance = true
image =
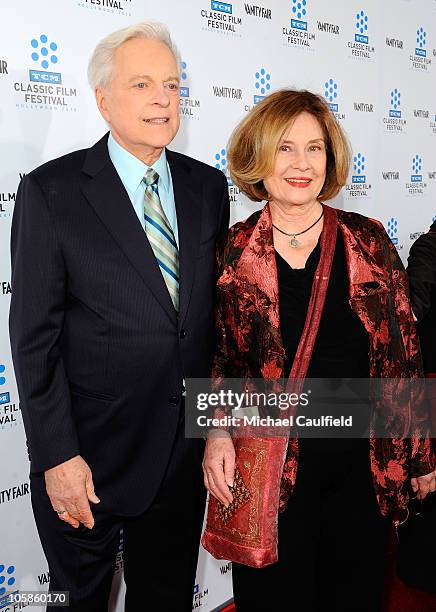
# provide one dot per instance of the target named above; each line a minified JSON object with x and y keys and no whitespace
{"x":250,"y":343}
{"x":422,"y":275}
{"x":99,"y":351}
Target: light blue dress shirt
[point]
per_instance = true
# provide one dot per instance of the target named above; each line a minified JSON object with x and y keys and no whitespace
{"x":131,"y":171}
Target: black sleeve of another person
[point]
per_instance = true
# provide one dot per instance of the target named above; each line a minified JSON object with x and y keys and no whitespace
{"x":422,"y":273}
{"x":35,"y":323}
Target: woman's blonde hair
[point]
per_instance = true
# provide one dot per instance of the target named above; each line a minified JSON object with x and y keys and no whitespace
{"x":255,"y":142}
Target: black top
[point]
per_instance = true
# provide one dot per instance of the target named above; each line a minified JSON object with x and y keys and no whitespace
{"x":341,"y":351}
{"x":422,"y":275}
{"x":341,"y":348}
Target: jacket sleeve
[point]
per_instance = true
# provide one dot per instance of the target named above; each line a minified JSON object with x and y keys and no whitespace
{"x":36,"y":319}
{"x":422,"y":457}
{"x":422,"y":273}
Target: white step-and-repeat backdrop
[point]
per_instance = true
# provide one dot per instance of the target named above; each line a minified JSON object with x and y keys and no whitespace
{"x":373,"y":61}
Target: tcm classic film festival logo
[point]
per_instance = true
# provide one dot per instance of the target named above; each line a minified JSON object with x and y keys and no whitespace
{"x":393,"y":120}
{"x":331,"y":94}
{"x":119,"y":7}
{"x":261,"y":88}
{"x":360,"y":46}
{"x":416,"y":185}
{"x":189,"y":105}
{"x":45,"y":88}
{"x":10,"y":414}
{"x":220,"y":17}
{"x":359,"y":186}
{"x":298,"y":32}
{"x":419,"y":58}
{"x":392,"y":231}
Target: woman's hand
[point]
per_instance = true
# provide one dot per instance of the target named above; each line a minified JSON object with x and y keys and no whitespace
{"x":219,"y":465}
{"x":424,"y":484}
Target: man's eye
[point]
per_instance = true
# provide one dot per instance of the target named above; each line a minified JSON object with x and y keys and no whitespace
{"x":140,"y":85}
{"x":172,"y":86}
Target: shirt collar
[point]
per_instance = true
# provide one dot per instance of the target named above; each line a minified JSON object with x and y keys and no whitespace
{"x":132,"y":170}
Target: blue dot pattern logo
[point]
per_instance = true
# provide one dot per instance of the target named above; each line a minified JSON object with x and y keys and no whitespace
{"x":299,"y":14}
{"x":361,"y":28}
{"x":417,"y":164}
{"x":221,"y":160}
{"x":416,"y":169}
{"x":221,"y":164}
{"x":6,"y":578}
{"x":395,"y":103}
{"x":395,"y":99}
{"x":184,"y":89}
{"x":359,"y":168}
{"x":359,"y":163}
{"x":362,"y":22}
{"x":263,"y":81}
{"x":299,"y":9}
{"x":2,"y":370}
{"x":392,"y":228}
{"x":421,"y":36}
{"x":44,"y":53}
{"x":331,"y":90}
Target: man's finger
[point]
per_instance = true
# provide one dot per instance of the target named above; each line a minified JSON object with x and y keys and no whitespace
{"x":90,"y":490}
{"x":67,"y":518}
{"x":84,"y":515}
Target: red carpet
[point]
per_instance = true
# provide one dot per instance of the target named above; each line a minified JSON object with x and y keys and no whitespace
{"x":399,"y":597}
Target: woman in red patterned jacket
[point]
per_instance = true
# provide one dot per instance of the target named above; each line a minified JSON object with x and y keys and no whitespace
{"x":335,"y":507}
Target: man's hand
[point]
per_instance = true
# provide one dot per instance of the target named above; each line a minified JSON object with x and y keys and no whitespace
{"x":70,"y":489}
{"x":424,"y":484}
{"x":219,"y":465}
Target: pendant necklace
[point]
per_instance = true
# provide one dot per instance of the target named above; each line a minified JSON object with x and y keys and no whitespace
{"x":293,"y":237}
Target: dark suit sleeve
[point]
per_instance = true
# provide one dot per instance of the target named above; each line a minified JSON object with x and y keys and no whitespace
{"x":35,"y":325}
{"x":422,"y":273}
{"x":223,"y":223}
{"x":422,"y":456}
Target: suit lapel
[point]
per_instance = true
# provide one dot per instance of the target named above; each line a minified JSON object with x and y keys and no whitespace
{"x":105,"y":192}
{"x":188,"y":198}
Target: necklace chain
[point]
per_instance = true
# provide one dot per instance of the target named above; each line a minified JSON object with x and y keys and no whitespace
{"x":293,"y":236}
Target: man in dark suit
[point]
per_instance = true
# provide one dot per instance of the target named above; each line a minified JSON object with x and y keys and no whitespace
{"x":112,"y":309}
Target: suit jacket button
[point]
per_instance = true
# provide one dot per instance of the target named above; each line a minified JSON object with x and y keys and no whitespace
{"x":174,"y":400}
{"x":182,"y":333}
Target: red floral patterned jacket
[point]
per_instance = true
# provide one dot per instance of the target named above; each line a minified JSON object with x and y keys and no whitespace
{"x":250,"y":343}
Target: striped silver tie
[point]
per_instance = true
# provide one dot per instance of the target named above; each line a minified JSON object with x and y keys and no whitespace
{"x":161,"y":236}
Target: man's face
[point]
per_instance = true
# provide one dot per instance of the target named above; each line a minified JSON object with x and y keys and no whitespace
{"x":141,"y":102}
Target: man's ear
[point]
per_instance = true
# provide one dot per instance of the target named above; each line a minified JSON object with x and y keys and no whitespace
{"x":100,"y":97}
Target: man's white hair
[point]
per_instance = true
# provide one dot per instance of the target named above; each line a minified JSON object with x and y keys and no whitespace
{"x":101,"y":62}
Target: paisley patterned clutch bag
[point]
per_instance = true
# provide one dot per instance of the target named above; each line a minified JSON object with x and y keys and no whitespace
{"x":246,"y":531}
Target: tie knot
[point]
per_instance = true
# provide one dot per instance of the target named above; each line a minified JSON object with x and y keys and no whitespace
{"x":151,"y":177}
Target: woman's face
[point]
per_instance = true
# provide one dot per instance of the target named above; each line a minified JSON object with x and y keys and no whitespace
{"x":300,"y":166}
